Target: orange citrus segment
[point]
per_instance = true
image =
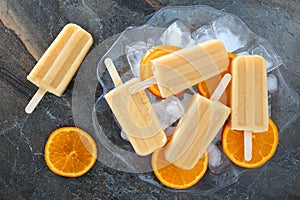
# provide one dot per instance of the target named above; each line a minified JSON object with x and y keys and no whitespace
{"x":146,"y":65}
{"x":207,"y":87}
{"x":264,"y":145}
{"x":175,"y":177}
{"x":70,"y":152}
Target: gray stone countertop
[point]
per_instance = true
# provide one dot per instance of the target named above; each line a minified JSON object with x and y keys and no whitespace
{"x":27,"y":28}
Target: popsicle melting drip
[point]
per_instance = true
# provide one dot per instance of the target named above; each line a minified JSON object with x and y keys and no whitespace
{"x":249,"y":98}
{"x":184,"y":68}
{"x":135,"y":114}
{"x":57,"y":66}
{"x":197,"y":128}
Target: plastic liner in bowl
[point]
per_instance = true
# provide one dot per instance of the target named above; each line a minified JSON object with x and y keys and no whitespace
{"x":188,"y":25}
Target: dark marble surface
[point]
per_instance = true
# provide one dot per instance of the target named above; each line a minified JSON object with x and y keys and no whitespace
{"x":26,"y":30}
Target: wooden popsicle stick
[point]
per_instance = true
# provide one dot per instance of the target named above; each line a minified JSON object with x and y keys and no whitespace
{"x":35,"y":100}
{"x":221,"y":87}
{"x":142,"y":85}
{"x":248,"y":145}
{"x":215,"y":97}
{"x":113,"y":72}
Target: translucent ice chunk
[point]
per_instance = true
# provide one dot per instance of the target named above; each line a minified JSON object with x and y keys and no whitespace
{"x":272,"y":83}
{"x":123,"y":135}
{"x":134,"y":54}
{"x":204,"y":33}
{"x":267,"y":52}
{"x":185,"y":99}
{"x":169,"y":111}
{"x":126,"y":76}
{"x":217,"y":161}
{"x":228,"y":30}
{"x":214,"y":156}
{"x":177,"y":34}
{"x":244,"y":53}
{"x":170,"y":130}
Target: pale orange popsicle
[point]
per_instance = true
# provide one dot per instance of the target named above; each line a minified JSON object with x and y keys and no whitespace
{"x":197,"y":128}
{"x":195,"y":131}
{"x":135,"y":114}
{"x":184,"y":68}
{"x":249,"y":98}
{"x":57,"y":66}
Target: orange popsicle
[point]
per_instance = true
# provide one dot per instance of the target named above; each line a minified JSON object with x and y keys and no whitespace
{"x":249,"y":98}
{"x":184,"y":68}
{"x":57,"y":66}
{"x":197,"y":128}
{"x":135,"y":114}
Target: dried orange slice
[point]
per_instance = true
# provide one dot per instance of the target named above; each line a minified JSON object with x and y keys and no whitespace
{"x":175,"y":177}
{"x":70,"y":152}
{"x":207,"y":87}
{"x":264,"y":145}
{"x":146,"y":66}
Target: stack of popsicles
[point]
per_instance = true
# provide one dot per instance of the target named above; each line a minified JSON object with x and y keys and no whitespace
{"x":204,"y":117}
{"x":173,"y":73}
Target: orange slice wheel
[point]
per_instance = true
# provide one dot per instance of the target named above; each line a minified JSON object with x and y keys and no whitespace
{"x":207,"y":87}
{"x":175,"y":177}
{"x":263,"y":146}
{"x":70,"y":152}
{"x":146,"y":66}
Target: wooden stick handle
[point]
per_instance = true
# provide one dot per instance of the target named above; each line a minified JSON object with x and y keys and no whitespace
{"x":221,"y":87}
{"x":247,"y":145}
{"x":113,"y":72}
{"x":35,"y":100}
{"x":142,"y":85}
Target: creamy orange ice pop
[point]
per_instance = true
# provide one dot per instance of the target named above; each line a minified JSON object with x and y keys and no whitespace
{"x":197,"y":128}
{"x":135,"y":114}
{"x":184,"y":68}
{"x":249,"y":98}
{"x":57,"y":66}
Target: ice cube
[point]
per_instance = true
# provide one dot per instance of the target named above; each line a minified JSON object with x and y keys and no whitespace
{"x":170,"y":130}
{"x":185,"y":100}
{"x":123,"y":135}
{"x":134,"y":54}
{"x":229,"y":30}
{"x":272,"y":83}
{"x":177,"y":34}
{"x":204,"y":33}
{"x":244,"y":53}
{"x":264,"y":50}
{"x":126,"y":76}
{"x":217,"y":161}
{"x":168,"y":111}
{"x":214,"y":158}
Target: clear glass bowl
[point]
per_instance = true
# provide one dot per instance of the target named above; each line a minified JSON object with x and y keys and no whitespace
{"x":91,"y":112}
